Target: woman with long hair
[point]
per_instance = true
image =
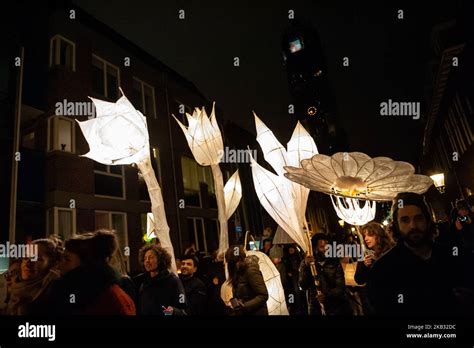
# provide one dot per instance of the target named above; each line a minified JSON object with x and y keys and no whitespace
{"x":377,"y":241}
{"x":34,"y":277}
{"x":249,"y":291}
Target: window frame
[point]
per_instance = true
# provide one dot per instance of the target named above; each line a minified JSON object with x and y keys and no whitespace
{"x":106,"y":63}
{"x":142,"y":92}
{"x":54,"y":119}
{"x":57,"y":54}
{"x":55,"y":222}
{"x":108,"y":173}
{"x":196,"y":238}
{"x":110,"y":227}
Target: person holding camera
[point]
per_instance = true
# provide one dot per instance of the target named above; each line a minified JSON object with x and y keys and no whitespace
{"x":462,"y":225}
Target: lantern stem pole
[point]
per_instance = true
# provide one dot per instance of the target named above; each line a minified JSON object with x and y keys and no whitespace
{"x":219,"y":188}
{"x":157,"y":208}
{"x":313,"y":268}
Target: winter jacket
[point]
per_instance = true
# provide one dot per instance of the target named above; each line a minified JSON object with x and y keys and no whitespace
{"x":401,"y":283}
{"x":89,"y":290}
{"x":196,"y":294}
{"x":251,"y":289}
{"x":161,"y":291}
{"x":332,"y":285}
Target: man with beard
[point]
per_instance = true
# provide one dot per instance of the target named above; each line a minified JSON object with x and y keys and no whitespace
{"x":417,"y":276}
{"x":194,"y":288}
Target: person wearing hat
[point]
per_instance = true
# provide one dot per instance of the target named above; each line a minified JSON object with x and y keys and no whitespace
{"x":418,"y":275}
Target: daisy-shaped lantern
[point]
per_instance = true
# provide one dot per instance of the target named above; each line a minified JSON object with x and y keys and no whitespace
{"x":205,"y":141}
{"x":118,"y":135}
{"x":356,"y":182}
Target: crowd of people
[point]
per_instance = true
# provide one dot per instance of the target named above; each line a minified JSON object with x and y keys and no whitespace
{"x":410,"y":267}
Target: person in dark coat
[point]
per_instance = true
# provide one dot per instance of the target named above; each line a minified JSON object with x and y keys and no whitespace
{"x":417,"y":276}
{"x":196,"y":294}
{"x":89,"y":285}
{"x":161,"y":292}
{"x":295,"y":297}
{"x":250,"y":293}
{"x":331,"y":281}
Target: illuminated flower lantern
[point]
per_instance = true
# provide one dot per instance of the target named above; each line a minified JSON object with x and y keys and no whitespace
{"x":285,"y":201}
{"x":352,"y":178}
{"x":118,"y":135}
{"x":205,"y":141}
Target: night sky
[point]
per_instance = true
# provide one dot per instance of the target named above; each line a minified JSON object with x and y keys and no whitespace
{"x":388,"y":59}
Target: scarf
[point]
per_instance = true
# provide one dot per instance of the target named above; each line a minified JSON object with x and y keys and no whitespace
{"x":23,"y":292}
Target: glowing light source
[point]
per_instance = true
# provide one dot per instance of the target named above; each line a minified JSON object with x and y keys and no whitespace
{"x":119,"y":135}
{"x":438,"y":180}
{"x":354,"y":177}
{"x":205,"y":141}
{"x":285,"y":201}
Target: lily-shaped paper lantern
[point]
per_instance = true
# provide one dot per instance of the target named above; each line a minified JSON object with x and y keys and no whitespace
{"x":205,"y":141}
{"x":284,"y":200}
{"x":354,"y":176}
{"x":119,"y":135}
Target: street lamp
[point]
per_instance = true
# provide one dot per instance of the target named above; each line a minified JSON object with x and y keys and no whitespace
{"x":439,"y":182}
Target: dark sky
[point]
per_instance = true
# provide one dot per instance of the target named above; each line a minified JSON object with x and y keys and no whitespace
{"x":388,"y":58}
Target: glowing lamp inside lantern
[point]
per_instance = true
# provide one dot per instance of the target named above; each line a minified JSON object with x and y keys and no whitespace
{"x":351,"y":186}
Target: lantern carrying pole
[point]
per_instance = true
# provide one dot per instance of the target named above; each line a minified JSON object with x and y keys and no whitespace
{"x":313,"y":268}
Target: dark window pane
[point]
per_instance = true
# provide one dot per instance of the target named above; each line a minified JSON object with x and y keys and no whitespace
{"x":112,"y":83}
{"x":108,"y":186}
{"x":100,"y":166}
{"x":149,"y":102}
{"x":137,"y":95}
{"x":191,"y":235}
{"x":191,"y":198}
{"x":116,"y":170}
{"x":212,"y":201}
{"x":65,"y":54}
{"x":98,"y":85}
{"x":212,"y":235}
{"x":144,"y":195}
{"x":201,"y":245}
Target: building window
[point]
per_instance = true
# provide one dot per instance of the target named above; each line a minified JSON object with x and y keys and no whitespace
{"x":193,"y":176}
{"x":118,"y":222}
{"x":61,"y":221}
{"x":212,"y":234}
{"x":61,"y":134}
{"x":180,"y":110}
{"x":197,"y":234}
{"x":109,"y":180}
{"x":155,"y":163}
{"x":144,"y":97}
{"x":105,"y":78}
{"x":62,"y":52}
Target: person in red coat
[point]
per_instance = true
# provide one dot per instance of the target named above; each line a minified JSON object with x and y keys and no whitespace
{"x":89,"y":285}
